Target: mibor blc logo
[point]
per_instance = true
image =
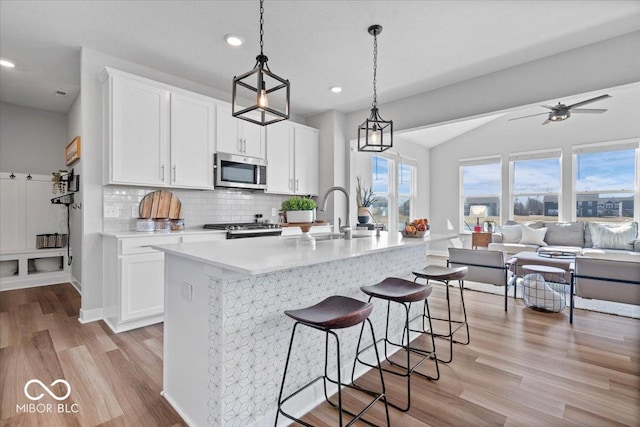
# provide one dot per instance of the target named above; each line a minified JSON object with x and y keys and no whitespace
{"x":41,"y":408}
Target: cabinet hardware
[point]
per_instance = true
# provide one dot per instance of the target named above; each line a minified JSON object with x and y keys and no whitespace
{"x":174,"y":173}
{"x":297,"y":184}
{"x":162,"y":173}
{"x":291,"y":184}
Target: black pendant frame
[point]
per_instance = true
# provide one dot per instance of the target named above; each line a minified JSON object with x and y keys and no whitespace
{"x":375,"y":123}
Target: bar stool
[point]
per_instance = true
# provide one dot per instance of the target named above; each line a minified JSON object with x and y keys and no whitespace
{"x":444,"y":275}
{"x":335,"y":312}
{"x":404,"y":292}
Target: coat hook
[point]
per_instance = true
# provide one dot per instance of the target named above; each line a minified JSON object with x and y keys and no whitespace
{"x":12,"y":176}
{"x":29,"y":177}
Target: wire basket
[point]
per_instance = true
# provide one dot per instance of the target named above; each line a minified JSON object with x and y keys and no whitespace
{"x":50,"y":241}
{"x":543,"y":295}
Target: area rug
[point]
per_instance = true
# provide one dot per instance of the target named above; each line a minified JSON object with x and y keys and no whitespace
{"x":625,"y":310}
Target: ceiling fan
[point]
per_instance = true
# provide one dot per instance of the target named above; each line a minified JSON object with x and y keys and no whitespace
{"x":562,"y":112}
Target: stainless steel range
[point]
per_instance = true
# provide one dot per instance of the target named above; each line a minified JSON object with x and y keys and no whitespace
{"x":247,"y":229}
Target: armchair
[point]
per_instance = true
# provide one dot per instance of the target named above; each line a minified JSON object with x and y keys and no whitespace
{"x":590,"y":276}
{"x":485,"y":267}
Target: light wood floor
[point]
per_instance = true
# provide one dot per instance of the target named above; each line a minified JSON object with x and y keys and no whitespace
{"x":522,"y":368}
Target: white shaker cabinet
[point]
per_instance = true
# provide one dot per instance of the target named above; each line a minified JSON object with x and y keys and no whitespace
{"x":157,"y":135}
{"x":292,"y":159}
{"x":192,"y":141}
{"x":133,"y":276}
{"x":237,"y":136}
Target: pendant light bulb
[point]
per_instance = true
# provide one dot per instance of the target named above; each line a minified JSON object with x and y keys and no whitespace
{"x":374,"y":135}
{"x":263,"y":101}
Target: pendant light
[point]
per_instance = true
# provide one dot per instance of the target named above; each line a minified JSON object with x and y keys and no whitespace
{"x":270,"y":92}
{"x":375,"y":134}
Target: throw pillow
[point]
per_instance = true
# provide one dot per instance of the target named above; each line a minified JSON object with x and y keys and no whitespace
{"x":511,"y":233}
{"x":565,"y":233}
{"x":613,"y":237}
{"x":531,"y":236}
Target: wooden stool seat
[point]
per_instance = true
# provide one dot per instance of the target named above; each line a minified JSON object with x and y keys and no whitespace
{"x":335,"y":312}
{"x":398,"y":290}
{"x":434,"y":272}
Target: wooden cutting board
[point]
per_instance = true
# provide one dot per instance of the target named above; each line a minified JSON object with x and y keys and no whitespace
{"x":160,"y":204}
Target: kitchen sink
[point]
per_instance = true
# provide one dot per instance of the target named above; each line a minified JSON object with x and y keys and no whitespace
{"x":334,"y":236}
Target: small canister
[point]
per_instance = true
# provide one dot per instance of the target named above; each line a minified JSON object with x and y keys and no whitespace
{"x":143,"y":224}
{"x":162,"y":225}
{"x":177,"y":224}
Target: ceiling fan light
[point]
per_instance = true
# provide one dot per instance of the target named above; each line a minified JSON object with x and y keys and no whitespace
{"x":558,"y":116}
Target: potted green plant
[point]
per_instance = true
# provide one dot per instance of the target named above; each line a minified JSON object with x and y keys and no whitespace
{"x":365,"y":198}
{"x":299,"y":209}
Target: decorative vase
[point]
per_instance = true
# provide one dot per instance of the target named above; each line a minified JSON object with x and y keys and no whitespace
{"x":298,"y":217}
{"x":363,"y":215}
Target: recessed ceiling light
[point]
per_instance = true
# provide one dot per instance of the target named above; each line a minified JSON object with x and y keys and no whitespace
{"x":234,"y":40}
{"x":336,"y":89}
{"x":7,"y":63}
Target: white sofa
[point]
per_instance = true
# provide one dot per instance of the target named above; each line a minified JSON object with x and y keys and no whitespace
{"x":575,"y":237}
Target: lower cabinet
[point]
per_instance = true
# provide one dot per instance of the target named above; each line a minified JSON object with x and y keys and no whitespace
{"x":134,"y":277}
{"x":142,"y":286}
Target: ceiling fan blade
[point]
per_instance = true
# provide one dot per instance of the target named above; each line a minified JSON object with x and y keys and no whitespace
{"x":589,"y":110}
{"x":588,"y":101}
{"x":524,"y":117}
{"x":546,"y":122}
{"x":549,"y":107}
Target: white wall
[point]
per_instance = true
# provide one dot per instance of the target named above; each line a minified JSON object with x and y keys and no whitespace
{"x":502,"y":138}
{"x":74,"y":128}
{"x":31,"y":140}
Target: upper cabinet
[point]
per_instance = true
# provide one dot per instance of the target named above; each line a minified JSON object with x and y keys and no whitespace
{"x":157,"y":136}
{"x":292,"y":159}
{"x":237,"y":136}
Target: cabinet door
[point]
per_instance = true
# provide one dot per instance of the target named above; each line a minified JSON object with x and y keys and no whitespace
{"x":142,"y":286}
{"x":192,"y":136}
{"x":253,"y":139}
{"x":228,"y":139}
{"x":138,"y":133}
{"x":306,"y":161}
{"x":280,"y":159}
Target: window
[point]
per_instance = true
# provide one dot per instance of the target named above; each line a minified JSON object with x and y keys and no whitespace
{"x":480,"y":183}
{"x":606,"y":183}
{"x":536,"y":186}
{"x":406,"y":193}
{"x":394,"y":184}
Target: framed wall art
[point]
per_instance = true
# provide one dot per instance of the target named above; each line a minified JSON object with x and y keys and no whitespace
{"x":72,"y":151}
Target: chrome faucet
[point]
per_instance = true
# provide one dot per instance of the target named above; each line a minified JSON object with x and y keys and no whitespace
{"x":345,"y":229}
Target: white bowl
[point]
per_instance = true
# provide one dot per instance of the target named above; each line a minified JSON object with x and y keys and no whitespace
{"x":47,"y":264}
{"x":8,"y":268}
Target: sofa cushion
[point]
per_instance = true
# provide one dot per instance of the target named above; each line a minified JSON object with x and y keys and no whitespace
{"x":531,"y":236}
{"x":565,"y":233}
{"x":511,"y":233}
{"x":613,"y":236}
{"x":512,"y":248}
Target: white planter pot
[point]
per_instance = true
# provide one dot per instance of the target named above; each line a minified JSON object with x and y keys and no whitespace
{"x":299,"y":216}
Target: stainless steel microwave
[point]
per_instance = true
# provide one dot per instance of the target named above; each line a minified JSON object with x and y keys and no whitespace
{"x":240,"y":172}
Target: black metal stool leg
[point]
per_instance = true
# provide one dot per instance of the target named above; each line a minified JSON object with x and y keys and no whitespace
{"x":464,"y":312}
{"x":284,"y":376}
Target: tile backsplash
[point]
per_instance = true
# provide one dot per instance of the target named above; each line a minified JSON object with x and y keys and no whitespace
{"x":199,"y":207}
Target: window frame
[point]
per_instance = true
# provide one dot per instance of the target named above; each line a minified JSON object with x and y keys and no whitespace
{"x":394,"y":160}
{"x":616,"y":145}
{"x":555,"y":153}
{"x":477,"y":161}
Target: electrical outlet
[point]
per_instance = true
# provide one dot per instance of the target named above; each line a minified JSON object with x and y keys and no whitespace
{"x":274,"y":212}
{"x":186,"y":290}
{"x":110,"y":212}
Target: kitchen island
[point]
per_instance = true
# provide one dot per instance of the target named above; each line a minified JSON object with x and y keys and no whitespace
{"x":225,"y":333}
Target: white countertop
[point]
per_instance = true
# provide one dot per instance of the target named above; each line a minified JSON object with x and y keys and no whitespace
{"x":131,"y":234}
{"x":268,"y":254}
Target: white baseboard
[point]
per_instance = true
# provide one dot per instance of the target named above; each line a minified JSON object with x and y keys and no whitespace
{"x":76,"y":284}
{"x":178,"y":409}
{"x":36,"y":280}
{"x":87,"y":316}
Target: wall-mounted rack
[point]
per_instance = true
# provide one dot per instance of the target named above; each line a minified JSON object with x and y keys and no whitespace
{"x":72,"y":185}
